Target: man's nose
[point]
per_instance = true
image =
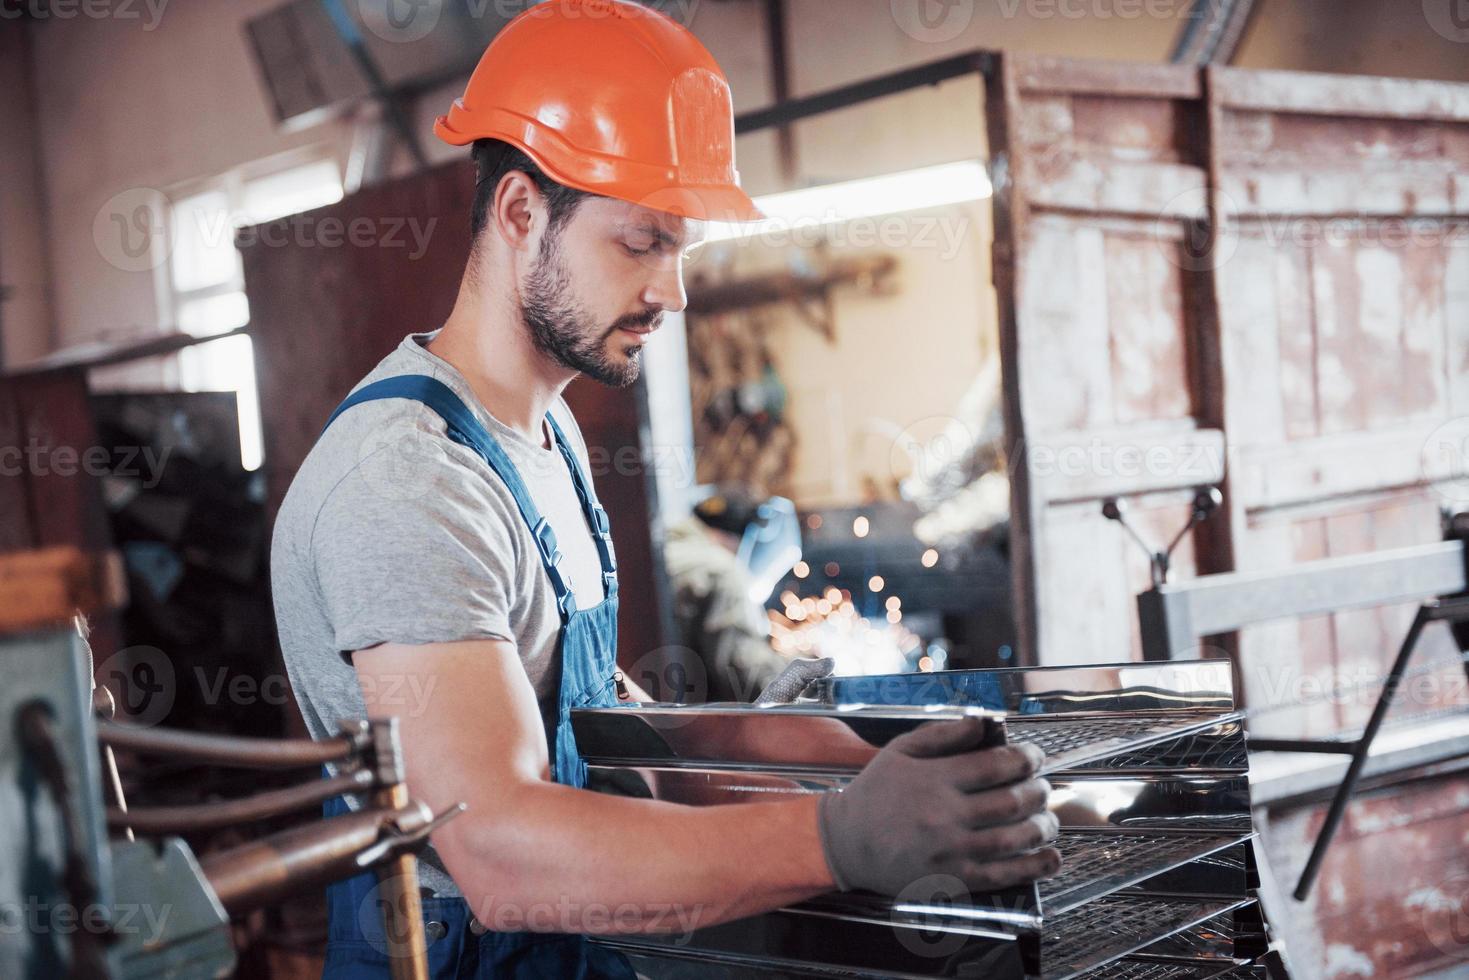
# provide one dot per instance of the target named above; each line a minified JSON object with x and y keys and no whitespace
{"x":666,"y":290}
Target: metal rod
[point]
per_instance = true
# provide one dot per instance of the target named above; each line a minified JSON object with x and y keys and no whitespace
{"x":224,"y":750}
{"x":401,"y":902}
{"x":1325,"y":746}
{"x":266,"y":871}
{"x":104,"y":705}
{"x":784,"y":113}
{"x":208,"y":816}
{"x":1359,"y":756}
{"x":780,"y":83}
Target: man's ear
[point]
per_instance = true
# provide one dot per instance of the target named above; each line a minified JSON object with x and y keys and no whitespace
{"x":516,"y":210}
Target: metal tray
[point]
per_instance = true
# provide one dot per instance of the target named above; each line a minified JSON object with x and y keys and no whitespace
{"x":809,"y":739}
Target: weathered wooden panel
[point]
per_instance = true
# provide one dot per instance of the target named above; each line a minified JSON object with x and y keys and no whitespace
{"x":1305,"y":304}
{"x":1392,"y":897}
{"x":1094,"y":231}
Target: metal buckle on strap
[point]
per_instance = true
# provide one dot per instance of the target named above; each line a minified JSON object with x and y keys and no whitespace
{"x":599,"y":516}
{"x":551,"y":557}
{"x":565,"y":599}
{"x":546,"y":541}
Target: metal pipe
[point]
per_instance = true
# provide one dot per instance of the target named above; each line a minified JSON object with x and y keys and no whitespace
{"x":208,"y":816}
{"x":104,"y":705}
{"x":981,"y":62}
{"x":224,"y":750}
{"x":1322,"y":746}
{"x":273,"y":868}
{"x":1348,"y":785}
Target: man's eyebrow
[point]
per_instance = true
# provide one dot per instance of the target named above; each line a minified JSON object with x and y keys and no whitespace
{"x":664,"y":237}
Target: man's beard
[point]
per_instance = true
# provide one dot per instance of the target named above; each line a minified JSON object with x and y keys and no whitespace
{"x":563,"y":330}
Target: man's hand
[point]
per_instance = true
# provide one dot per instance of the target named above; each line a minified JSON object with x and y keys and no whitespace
{"x":933,"y":802}
{"x":791,"y":681}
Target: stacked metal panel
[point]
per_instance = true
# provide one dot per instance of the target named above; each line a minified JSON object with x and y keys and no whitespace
{"x":1150,"y":781}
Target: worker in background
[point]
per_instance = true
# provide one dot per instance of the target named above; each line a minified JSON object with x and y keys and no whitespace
{"x":723,"y":561}
{"x":441,"y":556}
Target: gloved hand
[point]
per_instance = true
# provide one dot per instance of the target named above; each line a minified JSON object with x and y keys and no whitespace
{"x":789,"y":683}
{"x":933,"y":802}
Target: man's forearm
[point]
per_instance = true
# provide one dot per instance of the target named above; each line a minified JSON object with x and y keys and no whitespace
{"x":558,"y":859}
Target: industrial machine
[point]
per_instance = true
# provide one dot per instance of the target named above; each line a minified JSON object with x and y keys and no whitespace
{"x":1150,"y":779}
{"x":78,"y":903}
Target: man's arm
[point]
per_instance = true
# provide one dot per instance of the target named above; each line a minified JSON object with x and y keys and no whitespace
{"x":531,"y":854}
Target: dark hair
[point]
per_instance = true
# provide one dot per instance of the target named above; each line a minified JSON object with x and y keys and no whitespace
{"x":494,"y":159}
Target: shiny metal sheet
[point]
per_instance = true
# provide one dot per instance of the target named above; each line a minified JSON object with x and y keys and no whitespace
{"x":820,"y":941}
{"x":1203,"y":685}
{"x":804,"y":739}
{"x":774,"y":739}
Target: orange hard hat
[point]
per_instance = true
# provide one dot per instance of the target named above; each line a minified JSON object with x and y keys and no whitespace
{"x":613,"y":98}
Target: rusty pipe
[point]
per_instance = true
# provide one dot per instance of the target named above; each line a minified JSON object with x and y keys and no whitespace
{"x":225,"y":750}
{"x":208,"y":816}
{"x":265,"y":871}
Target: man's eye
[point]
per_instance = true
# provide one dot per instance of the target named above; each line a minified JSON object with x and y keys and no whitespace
{"x":640,"y":251}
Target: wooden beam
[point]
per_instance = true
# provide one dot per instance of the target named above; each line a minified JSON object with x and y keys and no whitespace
{"x":49,"y":587}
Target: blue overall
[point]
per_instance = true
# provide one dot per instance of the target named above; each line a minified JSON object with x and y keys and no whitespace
{"x":586,"y":662}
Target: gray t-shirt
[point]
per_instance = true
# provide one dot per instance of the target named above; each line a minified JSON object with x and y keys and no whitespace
{"x":393,"y":533}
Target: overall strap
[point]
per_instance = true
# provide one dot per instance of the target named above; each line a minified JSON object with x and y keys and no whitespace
{"x":462,"y":426}
{"x":595,"y":515}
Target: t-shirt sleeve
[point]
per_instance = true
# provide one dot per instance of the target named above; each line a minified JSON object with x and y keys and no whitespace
{"x":417,"y":554}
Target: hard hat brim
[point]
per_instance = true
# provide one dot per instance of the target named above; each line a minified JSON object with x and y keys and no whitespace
{"x":702,"y":202}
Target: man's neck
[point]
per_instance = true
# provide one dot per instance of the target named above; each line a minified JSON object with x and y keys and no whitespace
{"x":488,"y":344}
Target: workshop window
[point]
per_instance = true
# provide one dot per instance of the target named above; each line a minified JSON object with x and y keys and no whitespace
{"x":207,"y":281}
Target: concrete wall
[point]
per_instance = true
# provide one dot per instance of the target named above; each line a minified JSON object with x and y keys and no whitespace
{"x":127,"y":105}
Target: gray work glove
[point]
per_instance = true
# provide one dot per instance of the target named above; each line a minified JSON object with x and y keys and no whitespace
{"x":789,"y":684}
{"x":933,"y":803}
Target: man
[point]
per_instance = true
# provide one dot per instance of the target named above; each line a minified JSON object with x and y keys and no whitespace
{"x":441,"y":556}
{"x":720,"y":617}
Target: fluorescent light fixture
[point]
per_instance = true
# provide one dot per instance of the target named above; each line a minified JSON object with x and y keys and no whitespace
{"x":829,"y":204}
